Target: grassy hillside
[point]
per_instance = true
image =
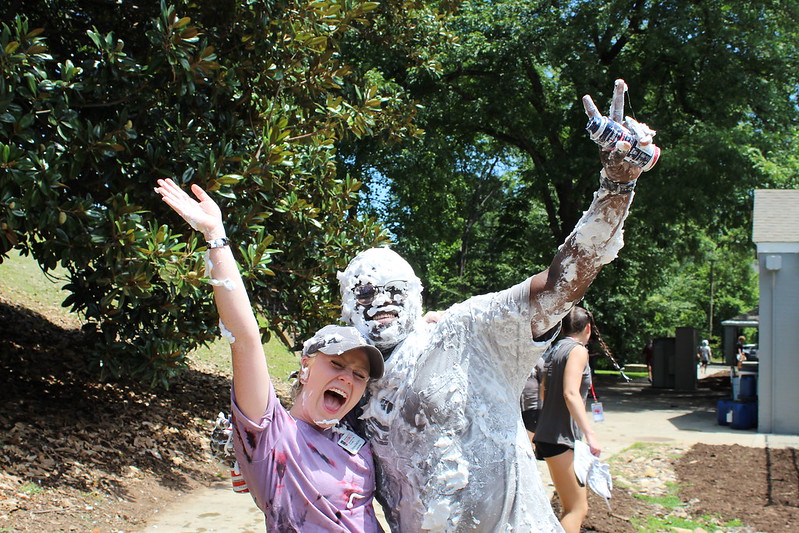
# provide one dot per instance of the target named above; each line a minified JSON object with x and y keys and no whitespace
{"x":82,"y":454}
{"x":23,"y":283}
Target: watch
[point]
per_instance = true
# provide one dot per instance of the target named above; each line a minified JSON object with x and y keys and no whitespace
{"x":218,"y":243}
{"x":616,"y":186}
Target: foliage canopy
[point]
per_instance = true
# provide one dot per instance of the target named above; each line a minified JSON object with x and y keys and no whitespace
{"x":247,"y":99}
{"x":283,"y":108}
{"x":504,"y":124}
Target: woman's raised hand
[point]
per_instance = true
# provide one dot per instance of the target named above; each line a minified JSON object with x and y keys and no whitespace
{"x":202,"y":214}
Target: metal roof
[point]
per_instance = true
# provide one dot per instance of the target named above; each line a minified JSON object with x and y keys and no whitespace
{"x":745,"y":320}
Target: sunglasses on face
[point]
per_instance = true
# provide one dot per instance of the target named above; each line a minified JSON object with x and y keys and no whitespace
{"x":397,"y":291}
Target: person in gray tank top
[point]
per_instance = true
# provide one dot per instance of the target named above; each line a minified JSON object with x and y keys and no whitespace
{"x":563,"y":418}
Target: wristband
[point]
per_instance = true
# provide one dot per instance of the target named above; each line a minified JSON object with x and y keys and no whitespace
{"x":616,"y":187}
{"x":218,"y":243}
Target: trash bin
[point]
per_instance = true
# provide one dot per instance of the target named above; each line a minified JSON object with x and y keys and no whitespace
{"x":735,"y":380}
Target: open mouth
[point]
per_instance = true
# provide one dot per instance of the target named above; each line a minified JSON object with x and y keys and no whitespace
{"x":334,"y":399}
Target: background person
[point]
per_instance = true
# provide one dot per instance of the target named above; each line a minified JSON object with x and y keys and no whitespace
{"x":531,"y":398}
{"x":740,"y":352}
{"x":704,"y":355}
{"x":305,"y":469}
{"x":563,"y":418}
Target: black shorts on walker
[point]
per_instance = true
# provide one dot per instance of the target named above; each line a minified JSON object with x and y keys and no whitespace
{"x":546,"y":449}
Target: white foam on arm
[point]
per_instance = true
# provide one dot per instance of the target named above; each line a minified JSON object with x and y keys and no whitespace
{"x":225,"y":333}
{"x":595,"y":241}
{"x":240,"y":327}
{"x":209,"y":273}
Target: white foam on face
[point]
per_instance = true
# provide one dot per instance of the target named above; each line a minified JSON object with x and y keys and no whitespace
{"x":379,"y":266}
{"x":225,"y":333}
{"x":306,"y":396}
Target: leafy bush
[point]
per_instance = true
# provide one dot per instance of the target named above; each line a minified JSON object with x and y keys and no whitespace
{"x":247,"y":99}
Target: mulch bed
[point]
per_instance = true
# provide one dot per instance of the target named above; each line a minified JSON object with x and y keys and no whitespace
{"x":79,"y":453}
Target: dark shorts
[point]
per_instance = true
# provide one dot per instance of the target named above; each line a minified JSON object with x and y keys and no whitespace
{"x":530,"y":419}
{"x":546,"y":449}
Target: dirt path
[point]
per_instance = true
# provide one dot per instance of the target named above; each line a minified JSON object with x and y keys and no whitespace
{"x":216,"y":508}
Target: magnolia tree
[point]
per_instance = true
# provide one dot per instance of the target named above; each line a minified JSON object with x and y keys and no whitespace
{"x":247,"y":99}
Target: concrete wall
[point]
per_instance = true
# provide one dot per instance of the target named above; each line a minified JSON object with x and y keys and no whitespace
{"x":778,"y":380}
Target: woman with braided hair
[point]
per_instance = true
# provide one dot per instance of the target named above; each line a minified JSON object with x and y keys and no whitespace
{"x":563,"y":418}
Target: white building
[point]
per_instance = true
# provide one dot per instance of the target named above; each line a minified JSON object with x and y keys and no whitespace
{"x":776,"y":234}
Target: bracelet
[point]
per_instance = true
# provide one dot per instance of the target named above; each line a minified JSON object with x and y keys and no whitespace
{"x":615,"y":187}
{"x":218,"y":243}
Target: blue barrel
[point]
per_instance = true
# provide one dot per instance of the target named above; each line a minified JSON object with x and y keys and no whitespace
{"x":744,"y":415}
{"x":723,"y":407}
{"x":735,"y":381}
{"x":748,"y":387}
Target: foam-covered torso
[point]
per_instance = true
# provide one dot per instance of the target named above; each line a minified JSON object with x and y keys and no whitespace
{"x":444,"y":422}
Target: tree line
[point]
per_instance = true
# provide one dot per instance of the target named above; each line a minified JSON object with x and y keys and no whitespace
{"x":453,"y":130}
{"x":505,"y":168}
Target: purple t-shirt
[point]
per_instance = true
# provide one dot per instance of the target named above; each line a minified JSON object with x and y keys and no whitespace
{"x":300,"y":477}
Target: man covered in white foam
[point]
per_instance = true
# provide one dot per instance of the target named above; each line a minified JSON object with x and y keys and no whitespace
{"x":444,"y":422}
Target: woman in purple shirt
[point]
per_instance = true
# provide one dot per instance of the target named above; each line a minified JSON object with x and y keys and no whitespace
{"x":306,"y":470}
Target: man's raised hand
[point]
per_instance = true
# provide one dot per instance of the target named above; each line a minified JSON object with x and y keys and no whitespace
{"x":613,"y":159}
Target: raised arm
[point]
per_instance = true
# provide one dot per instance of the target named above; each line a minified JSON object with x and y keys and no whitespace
{"x":597,"y":237}
{"x":237,"y":321}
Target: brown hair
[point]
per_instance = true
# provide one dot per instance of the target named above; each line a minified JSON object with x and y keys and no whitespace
{"x":597,"y":336}
{"x":575,"y":322}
